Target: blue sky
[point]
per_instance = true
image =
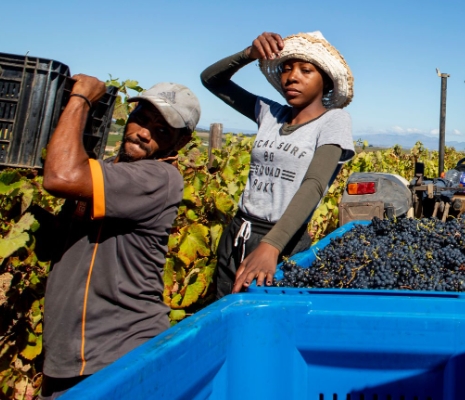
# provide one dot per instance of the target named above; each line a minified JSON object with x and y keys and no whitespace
{"x":393,"y":48}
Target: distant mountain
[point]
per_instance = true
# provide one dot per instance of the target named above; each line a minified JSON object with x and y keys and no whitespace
{"x":407,"y":141}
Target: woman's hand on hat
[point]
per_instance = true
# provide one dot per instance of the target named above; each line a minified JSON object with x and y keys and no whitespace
{"x":88,"y":86}
{"x":260,"y":264}
{"x":266,"y":46}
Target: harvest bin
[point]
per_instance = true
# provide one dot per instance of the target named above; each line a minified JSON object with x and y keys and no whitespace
{"x":33,"y":93}
{"x":325,"y":345}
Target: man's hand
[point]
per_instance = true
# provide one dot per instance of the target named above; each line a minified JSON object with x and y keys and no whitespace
{"x":88,"y":86}
{"x":266,"y":46}
{"x":260,"y":264}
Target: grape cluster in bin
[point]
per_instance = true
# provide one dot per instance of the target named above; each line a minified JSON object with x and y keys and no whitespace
{"x":405,"y":253}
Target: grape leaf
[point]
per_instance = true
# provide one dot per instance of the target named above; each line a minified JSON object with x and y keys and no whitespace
{"x":193,"y":291}
{"x":10,"y":244}
{"x":8,"y":177}
{"x":190,"y":195}
{"x":223,"y":202}
{"x":194,"y":241}
{"x":216,"y":230}
{"x":33,"y":347}
{"x":7,"y":189}
{"x":177,"y":315}
{"x":27,"y":197}
{"x":169,"y":274}
{"x":26,"y":222}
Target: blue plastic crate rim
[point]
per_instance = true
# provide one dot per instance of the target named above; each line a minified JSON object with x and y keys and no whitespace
{"x":323,"y":346}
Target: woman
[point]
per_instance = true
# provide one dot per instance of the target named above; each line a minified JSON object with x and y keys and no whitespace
{"x":296,"y":155}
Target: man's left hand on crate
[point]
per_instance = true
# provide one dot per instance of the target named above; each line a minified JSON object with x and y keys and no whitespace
{"x":89,"y":87}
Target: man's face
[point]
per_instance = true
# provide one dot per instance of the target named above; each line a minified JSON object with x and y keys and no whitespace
{"x":147,"y":135}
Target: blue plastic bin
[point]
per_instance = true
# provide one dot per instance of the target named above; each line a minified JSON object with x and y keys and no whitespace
{"x":330,"y":345}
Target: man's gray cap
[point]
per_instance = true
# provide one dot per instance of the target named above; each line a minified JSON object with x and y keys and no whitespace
{"x":177,"y":103}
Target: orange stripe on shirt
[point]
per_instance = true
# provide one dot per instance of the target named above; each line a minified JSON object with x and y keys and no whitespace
{"x":98,"y":208}
{"x":84,"y":308}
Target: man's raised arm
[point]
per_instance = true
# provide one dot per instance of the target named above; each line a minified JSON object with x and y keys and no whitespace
{"x":66,"y":170}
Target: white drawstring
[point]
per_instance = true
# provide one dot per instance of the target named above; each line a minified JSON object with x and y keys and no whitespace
{"x":244,"y":233}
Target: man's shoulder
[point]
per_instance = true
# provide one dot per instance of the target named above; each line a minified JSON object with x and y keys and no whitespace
{"x":146,"y":172}
{"x":150,"y":164}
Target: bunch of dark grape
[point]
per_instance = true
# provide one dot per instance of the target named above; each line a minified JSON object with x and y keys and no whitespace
{"x":404,"y":253}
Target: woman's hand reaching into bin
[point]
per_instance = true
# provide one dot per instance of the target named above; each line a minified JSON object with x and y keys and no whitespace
{"x":260,"y":264}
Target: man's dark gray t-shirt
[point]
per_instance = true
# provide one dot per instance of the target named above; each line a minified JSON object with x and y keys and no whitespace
{"x":104,"y":294}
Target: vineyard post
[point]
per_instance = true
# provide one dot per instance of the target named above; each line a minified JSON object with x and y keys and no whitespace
{"x":442,"y":120}
{"x":215,"y":140}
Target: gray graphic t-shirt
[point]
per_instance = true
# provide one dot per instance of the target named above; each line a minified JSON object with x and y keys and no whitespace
{"x":279,"y":162}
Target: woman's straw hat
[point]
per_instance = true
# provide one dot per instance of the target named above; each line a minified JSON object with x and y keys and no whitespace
{"x":314,"y":48}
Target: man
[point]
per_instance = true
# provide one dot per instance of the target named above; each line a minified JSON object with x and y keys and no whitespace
{"x":104,"y":294}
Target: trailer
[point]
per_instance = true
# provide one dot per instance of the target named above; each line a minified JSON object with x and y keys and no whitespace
{"x":383,"y":195}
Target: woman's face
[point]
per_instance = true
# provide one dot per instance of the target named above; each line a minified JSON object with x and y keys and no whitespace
{"x":302,"y":83}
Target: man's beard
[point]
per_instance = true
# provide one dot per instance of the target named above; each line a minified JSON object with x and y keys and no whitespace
{"x":128,"y":156}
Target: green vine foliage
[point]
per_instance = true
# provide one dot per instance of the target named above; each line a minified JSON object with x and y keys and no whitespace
{"x":209,"y":202}
{"x":211,"y":194}
{"x":23,"y":272}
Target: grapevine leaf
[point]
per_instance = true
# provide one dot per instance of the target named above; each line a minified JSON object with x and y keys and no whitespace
{"x":169,"y":279}
{"x":175,"y":301}
{"x":223,"y":202}
{"x":215,"y":232}
{"x":229,"y":173}
{"x":233,"y":188}
{"x":33,"y":347}
{"x":191,"y":215}
{"x":185,"y":260}
{"x":190,"y":196}
{"x":130,"y":84}
{"x":7,"y":189}
{"x":193,"y":291}
{"x":27,"y":197}
{"x":112,"y":82}
{"x":173,"y":242}
{"x":206,"y":273}
{"x":27,"y":222}
{"x":120,"y":112}
{"x":177,"y":315}
{"x":194,"y":241}
{"x":199,"y":181}
{"x":10,"y":244}
{"x":9,"y":177}
{"x":169,"y":273}
{"x":195,"y":158}
{"x":17,"y":237}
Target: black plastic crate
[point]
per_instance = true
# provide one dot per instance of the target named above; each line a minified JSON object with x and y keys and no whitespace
{"x":33,"y":93}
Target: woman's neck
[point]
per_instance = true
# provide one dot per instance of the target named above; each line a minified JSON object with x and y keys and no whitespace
{"x":301,"y":116}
